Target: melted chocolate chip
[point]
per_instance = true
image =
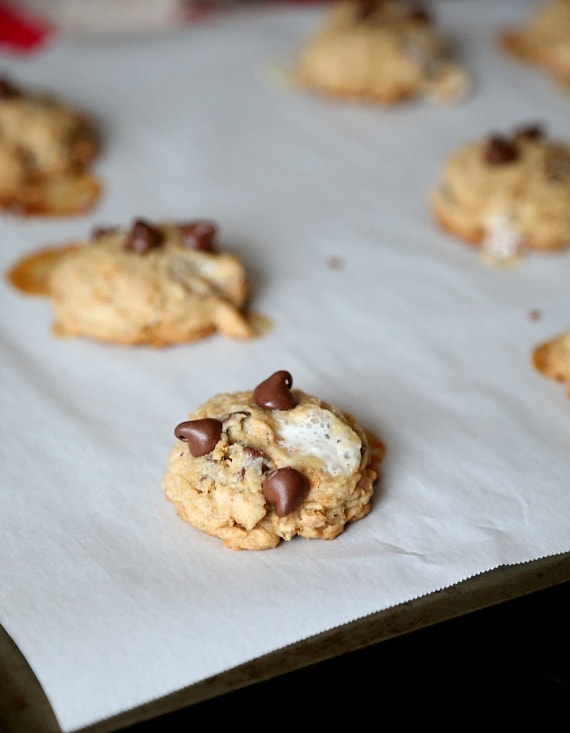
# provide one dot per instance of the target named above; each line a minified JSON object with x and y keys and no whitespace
{"x":254,"y":454}
{"x":529,"y":132}
{"x":285,"y":489}
{"x":143,"y":237}
{"x":238,"y":413}
{"x":199,"y":235}
{"x":201,"y":435}
{"x":500,"y":151}
{"x":275,"y":392}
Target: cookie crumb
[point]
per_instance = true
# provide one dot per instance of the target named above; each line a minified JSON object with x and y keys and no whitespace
{"x":335,"y":263}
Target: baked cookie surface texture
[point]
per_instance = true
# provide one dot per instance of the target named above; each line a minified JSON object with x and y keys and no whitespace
{"x":506,"y":193}
{"x":384,"y":51}
{"x":256,"y":467}
{"x":154,"y":284}
{"x":552,"y":359}
{"x":543,"y":40}
{"x":46,"y":146}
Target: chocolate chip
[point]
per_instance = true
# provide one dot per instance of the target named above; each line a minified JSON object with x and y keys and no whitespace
{"x":499,"y":151}
{"x":8,"y":90}
{"x":143,"y":237}
{"x":419,"y":14}
{"x":201,"y":435}
{"x":275,"y":392}
{"x":529,"y":132}
{"x":199,"y":235}
{"x":284,"y":489}
{"x":367,"y":7}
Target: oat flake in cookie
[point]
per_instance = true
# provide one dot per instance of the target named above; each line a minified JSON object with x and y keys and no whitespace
{"x":152,"y":284}
{"x":506,"y":193}
{"x":380,"y":51}
{"x":543,"y":41}
{"x":257,"y":467}
{"x":46,"y":147}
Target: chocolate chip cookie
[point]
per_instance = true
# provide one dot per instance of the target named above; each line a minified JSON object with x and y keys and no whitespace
{"x":507,"y":193}
{"x":256,"y":467}
{"x":151,"y":284}
{"x":46,"y":147}
{"x":543,"y":41}
{"x":383,"y":51}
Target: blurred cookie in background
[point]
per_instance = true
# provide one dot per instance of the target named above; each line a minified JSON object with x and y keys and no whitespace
{"x":46,"y":148}
{"x":506,"y":193}
{"x":543,"y":40}
{"x":153,"y":283}
{"x":381,"y":51}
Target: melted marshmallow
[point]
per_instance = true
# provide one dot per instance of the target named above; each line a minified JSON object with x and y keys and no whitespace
{"x":502,"y":244}
{"x":317,"y":432}
{"x":502,"y":238}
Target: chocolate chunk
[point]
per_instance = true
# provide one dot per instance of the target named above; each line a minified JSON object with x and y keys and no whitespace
{"x":500,"y":151}
{"x":275,"y":392}
{"x":143,"y":237}
{"x":529,"y":132}
{"x":199,"y":235}
{"x":284,"y":489}
{"x":201,"y":435}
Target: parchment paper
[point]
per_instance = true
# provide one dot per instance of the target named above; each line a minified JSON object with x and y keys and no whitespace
{"x":111,"y":597}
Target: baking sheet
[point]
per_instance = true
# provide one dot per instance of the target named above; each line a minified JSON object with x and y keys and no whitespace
{"x":115,"y":601}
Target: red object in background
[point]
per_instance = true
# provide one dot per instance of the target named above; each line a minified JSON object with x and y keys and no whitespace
{"x":19,"y":32}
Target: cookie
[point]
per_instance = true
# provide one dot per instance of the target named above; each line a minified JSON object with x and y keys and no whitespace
{"x":46,"y":147}
{"x":552,"y":359}
{"x":543,"y":41}
{"x":380,"y":51}
{"x":506,"y":193}
{"x":151,"y":284}
{"x":257,"y":467}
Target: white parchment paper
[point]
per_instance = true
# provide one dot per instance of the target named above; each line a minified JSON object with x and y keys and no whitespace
{"x":112,"y":598}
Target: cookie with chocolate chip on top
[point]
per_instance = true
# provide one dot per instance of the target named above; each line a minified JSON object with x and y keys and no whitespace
{"x":552,"y":359}
{"x":542,"y":40}
{"x":506,"y":193}
{"x":153,"y":283}
{"x":46,"y":148}
{"x":380,"y":51}
{"x":253,"y":468}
